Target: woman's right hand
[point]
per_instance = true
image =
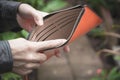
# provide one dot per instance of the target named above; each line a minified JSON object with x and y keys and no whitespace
{"x":28,"y":55}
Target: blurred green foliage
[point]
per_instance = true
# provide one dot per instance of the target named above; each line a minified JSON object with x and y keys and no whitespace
{"x":46,"y":5}
{"x":112,"y":5}
{"x":114,"y":74}
{"x":12,"y":35}
{"x":97,"y":32}
{"x":11,"y":76}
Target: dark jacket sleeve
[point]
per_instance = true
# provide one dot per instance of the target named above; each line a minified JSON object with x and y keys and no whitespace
{"x":6,"y":61}
{"x":8,"y":11}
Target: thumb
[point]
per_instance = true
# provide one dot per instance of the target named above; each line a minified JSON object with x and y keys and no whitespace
{"x":45,"y":45}
{"x":38,"y":18}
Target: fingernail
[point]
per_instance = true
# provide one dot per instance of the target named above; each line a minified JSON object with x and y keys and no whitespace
{"x":41,"y":22}
{"x":44,"y":57}
{"x":61,"y":42}
{"x":67,"y":49}
{"x":58,"y":55}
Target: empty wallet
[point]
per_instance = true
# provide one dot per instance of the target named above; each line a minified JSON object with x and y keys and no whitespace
{"x":68,"y":24}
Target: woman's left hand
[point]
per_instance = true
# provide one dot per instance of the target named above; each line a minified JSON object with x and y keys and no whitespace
{"x":28,"y":17}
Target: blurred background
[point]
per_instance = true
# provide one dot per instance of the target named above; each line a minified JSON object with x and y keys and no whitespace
{"x":94,"y":56}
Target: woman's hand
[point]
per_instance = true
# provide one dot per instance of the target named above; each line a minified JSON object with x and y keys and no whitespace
{"x":28,"y":55}
{"x":28,"y":17}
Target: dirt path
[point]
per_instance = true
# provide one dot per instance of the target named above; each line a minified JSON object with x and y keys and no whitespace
{"x":80,"y":64}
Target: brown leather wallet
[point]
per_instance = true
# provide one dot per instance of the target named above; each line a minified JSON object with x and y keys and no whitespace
{"x":66,"y":24}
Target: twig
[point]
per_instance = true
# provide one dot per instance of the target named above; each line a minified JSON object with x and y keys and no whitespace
{"x":108,"y":51}
{"x":112,"y":34}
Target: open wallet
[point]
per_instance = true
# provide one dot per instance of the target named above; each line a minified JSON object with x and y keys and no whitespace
{"x":68,"y":24}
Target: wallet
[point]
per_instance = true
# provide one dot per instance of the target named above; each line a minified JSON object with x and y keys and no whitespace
{"x":68,"y":24}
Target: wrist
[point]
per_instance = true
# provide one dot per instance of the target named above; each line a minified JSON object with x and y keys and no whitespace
{"x":6,"y":60}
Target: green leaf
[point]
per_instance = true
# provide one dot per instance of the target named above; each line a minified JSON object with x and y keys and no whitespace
{"x":54,"y":5}
{"x":8,"y":35}
{"x":103,"y":73}
{"x":116,"y":77}
{"x":96,"y":78}
{"x":41,"y":3}
{"x":112,"y":73}
{"x":117,"y":58}
{"x":24,"y":33}
{"x":8,"y":76}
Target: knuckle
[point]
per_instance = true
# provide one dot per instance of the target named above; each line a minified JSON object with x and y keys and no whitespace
{"x":31,"y":57}
{"x":22,"y":39}
{"x":27,"y":66}
{"x":42,"y":57}
{"x":25,"y":72}
{"x":29,"y":47}
{"x":21,"y":72}
{"x":52,"y":44}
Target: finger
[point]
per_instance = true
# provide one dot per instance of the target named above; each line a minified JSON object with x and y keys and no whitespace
{"x":22,"y":71}
{"x":32,"y":57}
{"x":49,"y":54}
{"x":43,"y":13}
{"x":32,"y":65}
{"x":66,"y":49}
{"x":38,"y":19}
{"x":18,"y":63}
{"x":45,"y":45}
{"x":57,"y":53}
{"x":36,"y":58}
